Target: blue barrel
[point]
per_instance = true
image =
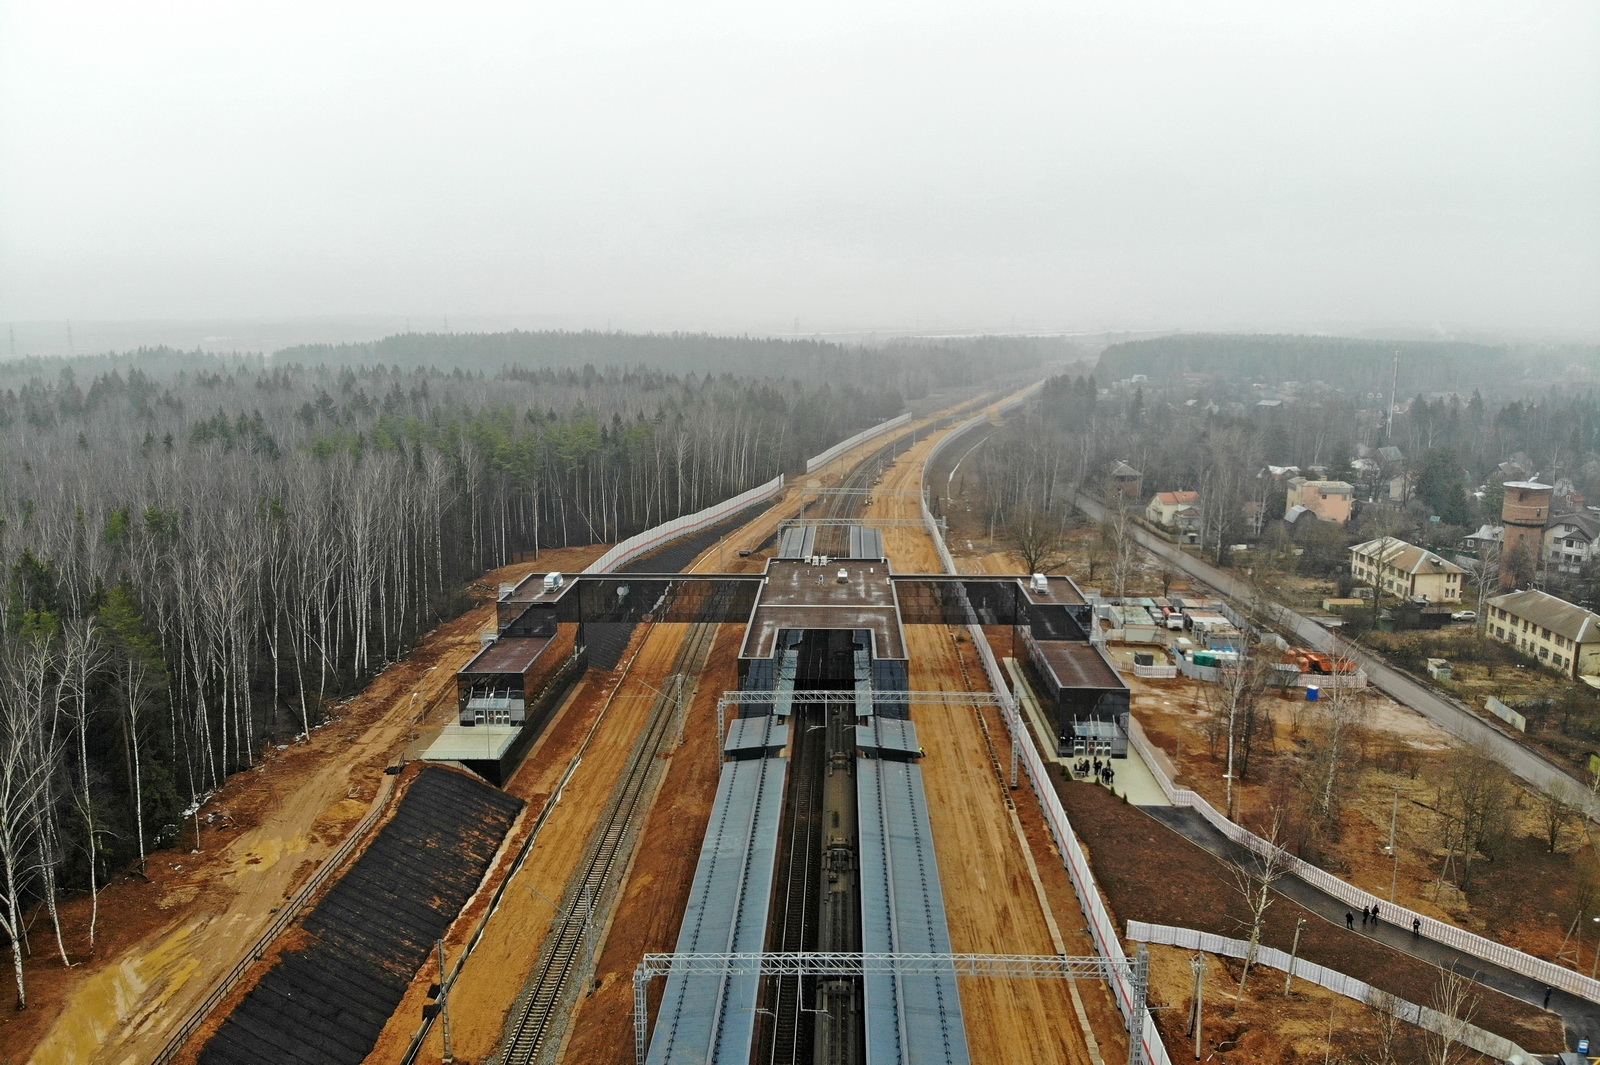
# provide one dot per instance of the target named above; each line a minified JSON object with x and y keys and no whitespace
{"x":1313,"y":693}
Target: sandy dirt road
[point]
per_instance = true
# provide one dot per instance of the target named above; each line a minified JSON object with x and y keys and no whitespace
{"x":996,"y":899}
{"x":164,"y":943}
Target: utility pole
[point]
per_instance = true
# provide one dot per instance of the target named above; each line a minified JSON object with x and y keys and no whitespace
{"x":1197,"y":965}
{"x":1299,"y":923}
{"x":1394,"y":812}
{"x":444,"y":1007}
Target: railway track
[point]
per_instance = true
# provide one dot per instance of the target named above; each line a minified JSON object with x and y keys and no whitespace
{"x":787,"y":1034}
{"x":541,"y":1010}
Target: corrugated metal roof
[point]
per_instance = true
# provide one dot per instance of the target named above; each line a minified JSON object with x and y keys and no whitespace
{"x":911,"y":1018}
{"x":866,"y":542}
{"x":893,"y":735}
{"x":797,"y":541}
{"x":711,"y":1019}
{"x":1548,"y":612}
{"x":1407,"y":558}
{"x":748,"y":734}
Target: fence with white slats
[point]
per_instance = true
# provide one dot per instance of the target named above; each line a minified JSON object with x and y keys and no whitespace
{"x":819,"y":461}
{"x":1496,"y":1046}
{"x":660,"y":535}
{"x":1467,"y":942}
{"x":1101,"y":928}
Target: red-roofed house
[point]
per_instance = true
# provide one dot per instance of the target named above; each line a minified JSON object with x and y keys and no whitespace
{"x":1176,"y":510}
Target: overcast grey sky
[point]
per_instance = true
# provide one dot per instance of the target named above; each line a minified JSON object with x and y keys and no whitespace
{"x":850,"y":165}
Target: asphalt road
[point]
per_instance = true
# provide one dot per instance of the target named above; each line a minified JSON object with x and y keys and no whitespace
{"x":1450,"y":715}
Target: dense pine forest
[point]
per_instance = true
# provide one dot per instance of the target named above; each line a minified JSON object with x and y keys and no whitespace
{"x":202,"y":553}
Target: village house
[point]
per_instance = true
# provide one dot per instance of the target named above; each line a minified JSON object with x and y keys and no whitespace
{"x":1328,"y":500}
{"x":1403,"y":569}
{"x":1126,"y":481}
{"x":1175,"y":510}
{"x":1569,"y":541}
{"x":1562,"y":636}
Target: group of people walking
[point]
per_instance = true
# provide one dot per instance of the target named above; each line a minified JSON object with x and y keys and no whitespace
{"x":1101,"y":769}
{"x":1370,"y":913}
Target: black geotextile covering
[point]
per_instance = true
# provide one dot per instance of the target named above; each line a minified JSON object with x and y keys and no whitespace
{"x":325,"y":1003}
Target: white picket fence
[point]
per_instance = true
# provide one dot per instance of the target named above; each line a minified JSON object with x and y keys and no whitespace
{"x":1155,"y":672}
{"x":813,"y":464}
{"x":657,"y":536}
{"x":1468,"y":943}
{"x":1497,"y":1047}
{"x":1101,"y":928}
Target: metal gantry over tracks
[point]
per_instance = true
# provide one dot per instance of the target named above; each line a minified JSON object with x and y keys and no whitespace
{"x":1135,"y":970}
{"x":872,"y":697}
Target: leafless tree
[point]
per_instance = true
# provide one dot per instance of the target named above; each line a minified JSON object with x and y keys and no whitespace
{"x":1035,"y":535}
{"x":1560,"y":805}
{"x":1475,"y":796}
{"x":1254,"y":876}
{"x":1455,"y":1002}
{"x":1239,"y":718}
{"x":1387,"y":1028}
{"x":1124,"y":547}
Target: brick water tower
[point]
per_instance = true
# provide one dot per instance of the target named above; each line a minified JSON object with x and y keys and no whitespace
{"x":1525,"y":513}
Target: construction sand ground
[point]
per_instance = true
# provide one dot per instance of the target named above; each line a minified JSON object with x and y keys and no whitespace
{"x":1005,"y":887}
{"x":1006,"y":890}
{"x":652,"y":899}
{"x":164,"y":943}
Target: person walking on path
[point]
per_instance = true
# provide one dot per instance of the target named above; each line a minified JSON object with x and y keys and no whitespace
{"x":1374,"y":913}
{"x":1547,"y":991}
{"x":1350,"y":920}
{"x":1416,"y":927}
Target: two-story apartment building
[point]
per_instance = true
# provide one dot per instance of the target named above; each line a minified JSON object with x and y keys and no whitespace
{"x":1403,"y":569}
{"x":1328,"y":500}
{"x":1562,"y":636}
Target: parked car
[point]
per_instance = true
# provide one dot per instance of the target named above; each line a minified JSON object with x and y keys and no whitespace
{"x":1464,"y":615}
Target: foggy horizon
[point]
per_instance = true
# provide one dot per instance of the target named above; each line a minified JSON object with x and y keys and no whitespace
{"x":1431,"y":169}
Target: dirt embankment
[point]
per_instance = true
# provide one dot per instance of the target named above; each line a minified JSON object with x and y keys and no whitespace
{"x":164,"y":939}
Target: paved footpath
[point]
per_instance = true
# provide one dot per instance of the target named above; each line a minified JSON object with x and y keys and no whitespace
{"x":1449,"y":714}
{"x":1581,"y":1016}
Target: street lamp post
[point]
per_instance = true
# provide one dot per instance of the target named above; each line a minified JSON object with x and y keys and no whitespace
{"x":1394,"y":813}
{"x":416,"y":719}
